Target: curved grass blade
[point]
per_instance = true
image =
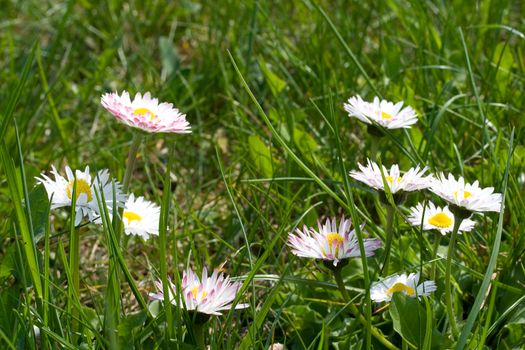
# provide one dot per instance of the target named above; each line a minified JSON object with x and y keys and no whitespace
{"x":476,"y":307}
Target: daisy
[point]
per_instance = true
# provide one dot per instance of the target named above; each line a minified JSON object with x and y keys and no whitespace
{"x":208,"y":295}
{"x":385,"y":288}
{"x":141,"y":217}
{"x":60,"y":191}
{"x":412,"y":180}
{"x":384,"y":113}
{"x":146,"y":113}
{"x":466,"y":196}
{"x":436,"y":218}
{"x":330,"y":243}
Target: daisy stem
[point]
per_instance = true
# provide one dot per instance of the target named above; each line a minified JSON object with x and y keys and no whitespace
{"x":130,"y":165}
{"x":435,"y":252}
{"x":374,"y":147}
{"x":132,"y":156}
{"x":74,"y":258}
{"x":375,"y":332}
{"x":73,"y":291}
{"x":448,"y":274}
{"x":389,"y":233}
{"x":163,"y":243}
{"x":198,"y":333}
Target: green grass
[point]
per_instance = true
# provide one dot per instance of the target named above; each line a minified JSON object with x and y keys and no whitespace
{"x":262,"y":84}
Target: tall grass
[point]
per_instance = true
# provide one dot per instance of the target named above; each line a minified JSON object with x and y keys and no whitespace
{"x":263,"y":84}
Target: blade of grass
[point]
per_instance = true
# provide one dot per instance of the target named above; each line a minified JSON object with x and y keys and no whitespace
{"x":246,"y":241}
{"x":54,"y":111}
{"x":486,"y":138}
{"x":163,"y":242}
{"x":347,"y":49}
{"x":282,"y":142}
{"x":476,"y":307}
{"x":359,"y":233}
{"x":13,"y":182}
{"x":15,"y":96}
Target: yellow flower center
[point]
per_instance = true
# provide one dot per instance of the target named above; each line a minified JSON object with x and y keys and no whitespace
{"x":390,"y":179}
{"x":387,"y":116}
{"x":143,"y":111}
{"x":440,"y":220}
{"x":195,"y":290}
{"x":400,"y":287}
{"x":331,"y":238}
{"x":466,"y":194}
{"x":131,"y":216}
{"x":82,"y":187}
{"x":334,"y":236}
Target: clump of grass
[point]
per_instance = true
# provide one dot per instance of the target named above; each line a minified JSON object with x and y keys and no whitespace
{"x":263,"y":85}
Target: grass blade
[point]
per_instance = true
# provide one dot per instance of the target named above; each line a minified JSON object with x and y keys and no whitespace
{"x":476,"y":307}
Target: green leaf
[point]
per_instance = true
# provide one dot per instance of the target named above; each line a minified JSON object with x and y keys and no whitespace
{"x":14,"y":182}
{"x":304,"y":141}
{"x":261,"y":156}
{"x":7,"y":264}
{"x":410,"y":319}
{"x":39,"y":211}
{"x":169,"y":57}
{"x":503,"y":60}
{"x":276,"y":84}
{"x":129,"y":327}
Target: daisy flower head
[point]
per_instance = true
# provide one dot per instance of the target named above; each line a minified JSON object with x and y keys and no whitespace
{"x":435,"y":218}
{"x":146,"y":113}
{"x":330,"y":243}
{"x":60,"y":191}
{"x":382,"y":112}
{"x":411,"y":180}
{"x":140,"y":217}
{"x":386,"y":287}
{"x":464,"y":197}
{"x":207,"y":295}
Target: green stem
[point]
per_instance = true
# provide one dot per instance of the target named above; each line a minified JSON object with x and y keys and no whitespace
{"x":132,"y":156}
{"x":198,"y":333}
{"x":374,"y":146}
{"x":389,"y":233}
{"x":163,"y":242}
{"x":130,"y":165}
{"x":434,"y":256}
{"x":375,"y":332}
{"x":448,"y":274}
{"x":73,"y":289}
{"x":74,"y":256}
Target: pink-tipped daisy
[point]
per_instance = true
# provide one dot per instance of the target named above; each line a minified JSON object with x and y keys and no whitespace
{"x":385,"y":288}
{"x":60,"y":191}
{"x":330,"y":243}
{"x":384,"y":113}
{"x":466,"y":196}
{"x":146,"y":113}
{"x":411,"y":180}
{"x":436,"y":218}
{"x":207,"y":295}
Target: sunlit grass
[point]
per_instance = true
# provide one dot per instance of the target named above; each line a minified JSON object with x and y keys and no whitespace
{"x":262,"y":85}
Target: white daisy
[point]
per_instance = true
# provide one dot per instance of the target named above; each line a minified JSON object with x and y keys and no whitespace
{"x":208,"y":295}
{"x":60,"y":191}
{"x":146,"y":113}
{"x":384,"y":288}
{"x":436,"y":218}
{"x":384,"y":113}
{"x":330,"y":243}
{"x":412,"y":180}
{"x":141,"y":217}
{"x":465,"y":195}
